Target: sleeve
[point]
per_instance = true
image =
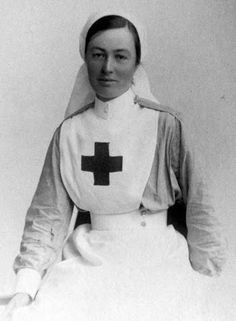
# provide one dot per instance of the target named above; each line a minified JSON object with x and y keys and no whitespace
{"x":47,"y":219}
{"x":205,"y":236}
{"x":27,"y":281}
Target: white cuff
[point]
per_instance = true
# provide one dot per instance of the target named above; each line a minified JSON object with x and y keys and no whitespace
{"x":27,"y":281}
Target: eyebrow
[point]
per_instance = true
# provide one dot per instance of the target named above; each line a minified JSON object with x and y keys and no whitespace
{"x":116,"y":50}
{"x":122,"y":50}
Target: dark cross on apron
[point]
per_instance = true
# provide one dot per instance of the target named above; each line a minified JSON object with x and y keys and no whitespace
{"x":101,"y":164}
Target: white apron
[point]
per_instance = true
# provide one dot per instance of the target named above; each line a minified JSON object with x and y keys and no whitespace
{"x":140,"y":272}
{"x":128,"y":267}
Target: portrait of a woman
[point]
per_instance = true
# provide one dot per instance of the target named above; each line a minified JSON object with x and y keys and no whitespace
{"x":125,"y":160}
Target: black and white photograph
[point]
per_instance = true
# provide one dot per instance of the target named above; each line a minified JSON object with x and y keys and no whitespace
{"x":117,"y":160}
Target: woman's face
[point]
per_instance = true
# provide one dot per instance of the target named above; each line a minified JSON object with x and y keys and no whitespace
{"x":111,"y":62}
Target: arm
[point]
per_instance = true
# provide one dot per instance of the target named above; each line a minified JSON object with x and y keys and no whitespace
{"x":207,"y":245}
{"x":46,"y":224}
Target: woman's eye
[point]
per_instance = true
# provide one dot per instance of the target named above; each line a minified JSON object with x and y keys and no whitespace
{"x":97,"y":55}
{"x":121,"y":57}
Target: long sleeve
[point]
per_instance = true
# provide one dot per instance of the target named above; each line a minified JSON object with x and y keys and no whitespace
{"x":48,"y":217}
{"x":207,"y":245}
{"x":178,"y":175}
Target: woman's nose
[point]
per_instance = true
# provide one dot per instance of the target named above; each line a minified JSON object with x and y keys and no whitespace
{"x":108,"y":65}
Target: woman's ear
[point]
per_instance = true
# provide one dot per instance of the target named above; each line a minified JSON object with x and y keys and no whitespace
{"x":136,"y":67}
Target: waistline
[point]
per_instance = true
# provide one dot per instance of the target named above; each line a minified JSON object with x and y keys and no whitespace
{"x":135,"y":219}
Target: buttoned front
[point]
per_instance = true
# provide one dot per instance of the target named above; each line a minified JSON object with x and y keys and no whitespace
{"x":118,"y":109}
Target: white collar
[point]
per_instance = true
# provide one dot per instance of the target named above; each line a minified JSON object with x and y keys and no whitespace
{"x":115,"y":107}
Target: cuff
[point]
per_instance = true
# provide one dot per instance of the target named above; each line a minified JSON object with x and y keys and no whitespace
{"x":27,"y":281}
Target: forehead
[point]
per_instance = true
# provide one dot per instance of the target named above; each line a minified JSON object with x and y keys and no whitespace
{"x":113,"y":39}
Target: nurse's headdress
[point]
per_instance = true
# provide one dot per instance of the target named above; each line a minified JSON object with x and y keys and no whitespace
{"x":83,"y":93}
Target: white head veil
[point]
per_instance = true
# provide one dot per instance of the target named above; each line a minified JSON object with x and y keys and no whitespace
{"x":82,"y":93}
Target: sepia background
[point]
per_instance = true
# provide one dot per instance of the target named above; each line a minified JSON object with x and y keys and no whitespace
{"x":192,"y":67}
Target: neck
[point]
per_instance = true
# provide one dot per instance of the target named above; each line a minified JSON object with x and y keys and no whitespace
{"x":106,"y":99}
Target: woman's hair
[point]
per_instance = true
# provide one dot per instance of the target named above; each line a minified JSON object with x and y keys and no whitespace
{"x":114,"y":22}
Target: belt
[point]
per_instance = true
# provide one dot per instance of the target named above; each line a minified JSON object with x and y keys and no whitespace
{"x":140,"y":218}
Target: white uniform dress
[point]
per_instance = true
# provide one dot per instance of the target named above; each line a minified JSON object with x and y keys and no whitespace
{"x":128,"y":265}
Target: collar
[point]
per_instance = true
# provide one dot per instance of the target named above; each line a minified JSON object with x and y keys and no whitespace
{"x":115,"y":107}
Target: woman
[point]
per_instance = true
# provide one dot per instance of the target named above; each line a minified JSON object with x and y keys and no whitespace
{"x":126,"y":160}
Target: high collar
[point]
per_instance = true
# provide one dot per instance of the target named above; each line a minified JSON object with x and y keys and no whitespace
{"x":115,"y":107}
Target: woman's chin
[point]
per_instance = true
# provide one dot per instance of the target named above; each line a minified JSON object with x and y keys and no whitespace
{"x":105,"y":95}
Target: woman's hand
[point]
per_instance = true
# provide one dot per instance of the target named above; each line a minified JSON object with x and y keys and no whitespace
{"x":17,"y":301}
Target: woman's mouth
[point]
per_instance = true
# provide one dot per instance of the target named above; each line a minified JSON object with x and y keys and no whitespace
{"x":106,"y":81}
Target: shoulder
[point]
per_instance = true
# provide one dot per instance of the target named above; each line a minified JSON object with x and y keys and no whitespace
{"x":166,"y":112}
{"x":170,"y":120}
{"x":71,"y":119}
{"x":172,"y":125}
{"x":79,"y":112}
{"x":69,"y":122}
